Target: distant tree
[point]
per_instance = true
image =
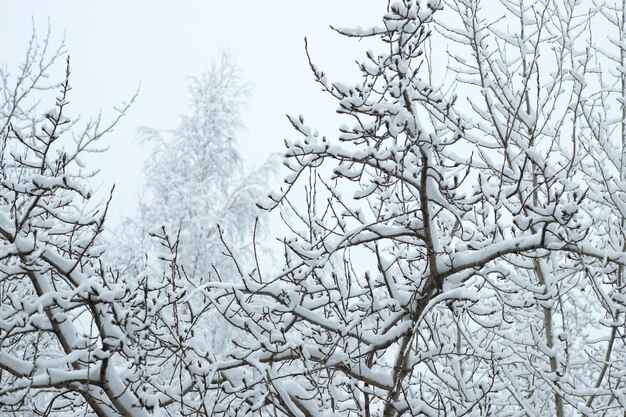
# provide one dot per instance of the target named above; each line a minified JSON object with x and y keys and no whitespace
{"x":195,"y":189}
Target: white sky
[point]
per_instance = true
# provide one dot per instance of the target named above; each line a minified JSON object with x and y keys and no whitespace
{"x":117,"y":46}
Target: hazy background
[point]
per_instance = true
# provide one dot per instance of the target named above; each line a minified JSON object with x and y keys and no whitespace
{"x":119,"y":46}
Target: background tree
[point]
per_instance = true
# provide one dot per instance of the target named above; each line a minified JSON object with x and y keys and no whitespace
{"x":529,"y":109}
{"x":452,"y":251}
{"x":196,"y":189}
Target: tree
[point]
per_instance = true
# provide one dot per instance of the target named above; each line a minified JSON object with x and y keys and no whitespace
{"x":441,"y":269}
{"x":78,"y":336}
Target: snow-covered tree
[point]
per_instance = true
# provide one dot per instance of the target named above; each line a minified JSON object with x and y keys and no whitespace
{"x":450,"y":236}
{"x":59,"y":327}
{"x":79,"y":336}
{"x":196,"y":190}
{"x":194,"y":176}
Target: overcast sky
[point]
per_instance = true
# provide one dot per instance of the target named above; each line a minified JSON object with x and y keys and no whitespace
{"x":119,"y":46}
